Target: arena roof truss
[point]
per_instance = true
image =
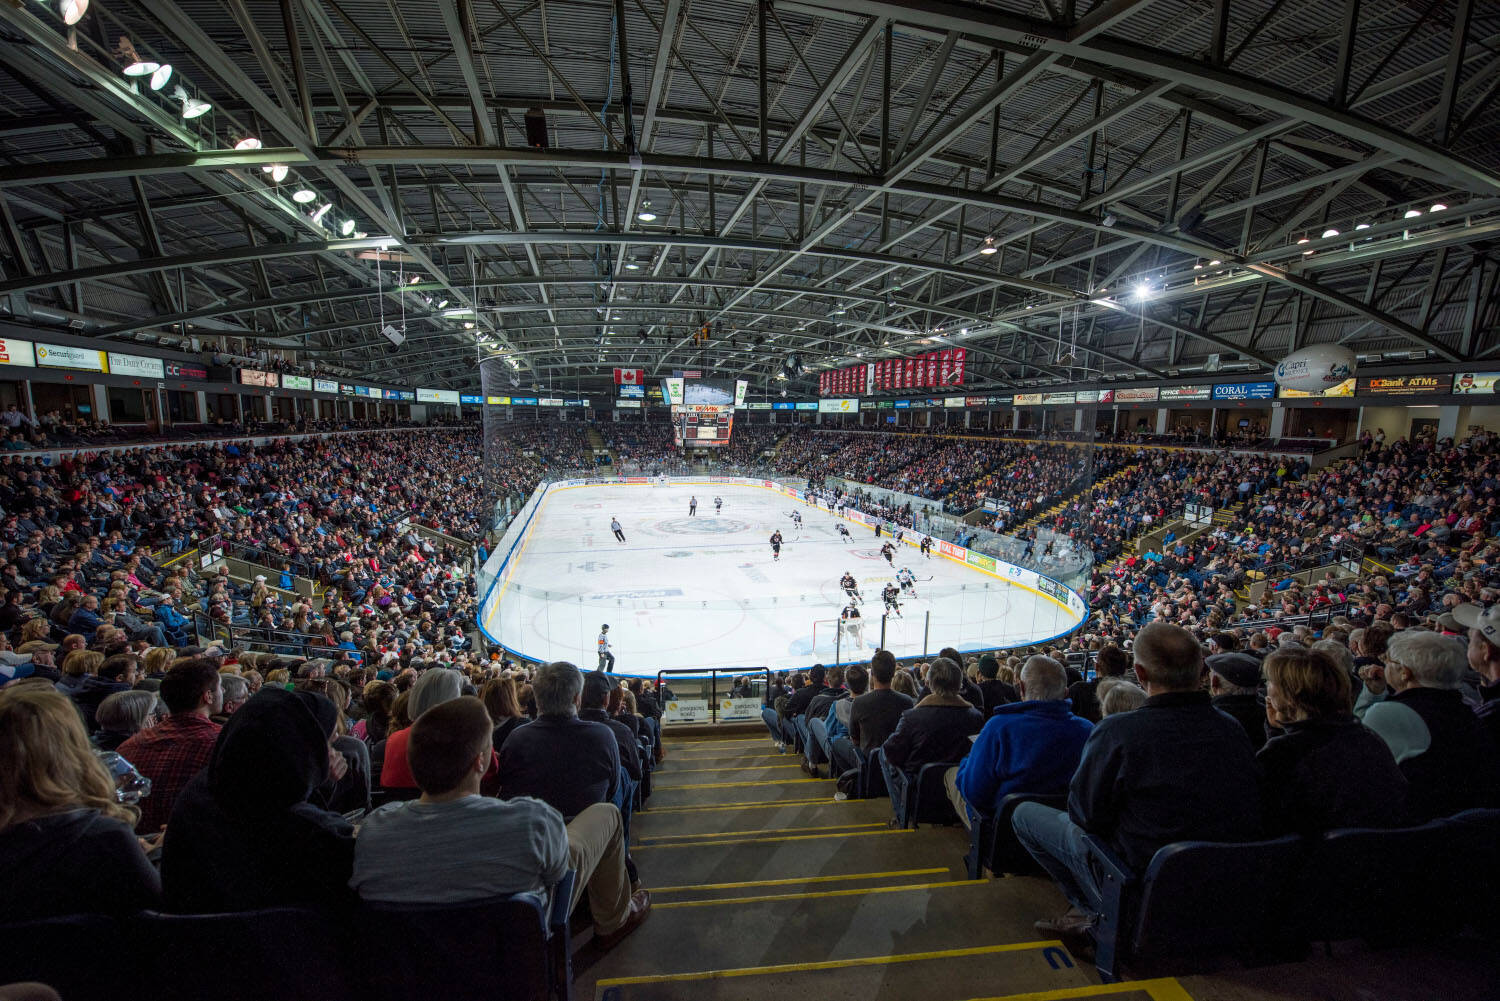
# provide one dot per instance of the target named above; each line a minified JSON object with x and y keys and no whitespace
{"x":1073,"y":191}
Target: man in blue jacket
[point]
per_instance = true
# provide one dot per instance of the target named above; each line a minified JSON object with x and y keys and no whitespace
{"x":1027,"y":746}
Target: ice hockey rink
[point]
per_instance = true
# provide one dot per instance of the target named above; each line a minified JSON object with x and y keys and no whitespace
{"x":700,"y":591}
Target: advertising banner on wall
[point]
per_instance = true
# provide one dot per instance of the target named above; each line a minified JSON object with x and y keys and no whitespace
{"x":1405,"y":385}
{"x":1063,"y":398}
{"x":1343,"y":389}
{"x":449,"y":396}
{"x":629,"y":404}
{"x":137,"y":365}
{"x":840,"y":406}
{"x":14,"y":351}
{"x":1177,"y":394}
{"x":1028,"y":399}
{"x":1475,"y":383}
{"x":1088,"y":396}
{"x":251,"y":377}
{"x":62,"y":356}
{"x":1246,"y":391}
{"x":467,"y":398}
{"x":325,"y":386}
{"x":1136,"y":395}
{"x":287,"y":381}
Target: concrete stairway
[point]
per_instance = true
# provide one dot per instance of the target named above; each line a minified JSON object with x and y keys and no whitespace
{"x":764,"y":887}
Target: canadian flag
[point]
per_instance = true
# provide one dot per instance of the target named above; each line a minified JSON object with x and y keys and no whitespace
{"x":630,"y":376}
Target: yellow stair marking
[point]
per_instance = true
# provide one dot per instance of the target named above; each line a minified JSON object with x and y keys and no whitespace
{"x":775,"y":841}
{"x":760,"y":830}
{"x":835,"y":964}
{"x":812,"y":894}
{"x":795,"y":881}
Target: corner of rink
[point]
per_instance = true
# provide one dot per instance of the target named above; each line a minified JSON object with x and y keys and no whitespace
{"x":685,"y":587}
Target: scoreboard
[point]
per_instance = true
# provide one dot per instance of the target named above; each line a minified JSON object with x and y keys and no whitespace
{"x":702,"y":425}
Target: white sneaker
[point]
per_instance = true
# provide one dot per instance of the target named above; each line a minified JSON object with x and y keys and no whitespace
{"x":839,"y":797}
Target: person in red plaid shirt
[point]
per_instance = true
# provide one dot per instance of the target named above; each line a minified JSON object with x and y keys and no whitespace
{"x":177,"y":748}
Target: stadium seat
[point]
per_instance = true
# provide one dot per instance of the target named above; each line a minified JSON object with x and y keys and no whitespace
{"x":513,"y":948}
{"x":290,"y":953}
{"x":84,"y":957}
{"x":1368,"y":883}
{"x":921,"y":798}
{"x":992,"y":840}
{"x":1196,"y":899}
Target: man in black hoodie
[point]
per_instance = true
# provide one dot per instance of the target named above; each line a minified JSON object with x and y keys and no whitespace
{"x":596,"y":686}
{"x":242,"y":834}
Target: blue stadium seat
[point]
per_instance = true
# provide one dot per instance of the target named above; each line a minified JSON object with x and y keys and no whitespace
{"x":992,"y":841}
{"x":513,"y":948}
{"x":1196,"y":899}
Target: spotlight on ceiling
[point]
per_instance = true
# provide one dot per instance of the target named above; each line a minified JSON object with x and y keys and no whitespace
{"x":1330,"y":233}
{"x":346,"y":227}
{"x":1438,"y":207}
{"x":161,"y":76}
{"x":323,"y":210}
{"x":191,"y":106}
{"x":645,"y":214}
{"x":1143,"y":292}
{"x":134,"y":64}
{"x":72,"y":11}
{"x":303,"y":195}
{"x":247,"y":143}
{"x":989,"y":246}
{"x":1412,"y":213}
{"x":278,"y":172}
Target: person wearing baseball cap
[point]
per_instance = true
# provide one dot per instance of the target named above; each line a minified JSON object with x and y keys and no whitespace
{"x":1483,"y":625}
{"x":1234,"y":684}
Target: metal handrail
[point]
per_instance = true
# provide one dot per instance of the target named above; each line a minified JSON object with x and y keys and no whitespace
{"x":713,"y":684}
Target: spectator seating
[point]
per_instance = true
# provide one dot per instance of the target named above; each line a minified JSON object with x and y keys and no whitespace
{"x":992,"y":840}
{"x":920,"y":800}
{"x":1267,"y":900}
{"x":513,"y":947}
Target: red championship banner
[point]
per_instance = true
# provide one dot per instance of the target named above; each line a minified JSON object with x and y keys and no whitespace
{"x":959,"y":355}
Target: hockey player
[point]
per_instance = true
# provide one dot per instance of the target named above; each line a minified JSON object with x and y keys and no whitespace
{"x":692,"y":506}
{"x":797,"y":519}
{"x":718,"y":504}
{"x":614,"y":526}
{"x":891,"y":595}
{"x":927,"y":546}
{"x":851,"y":587}
{"x":889,"y":552}
{"x":850,"y":622}
{"x":907,"y":580}
{"x":776,"y":546}
{"x":844,"y":531}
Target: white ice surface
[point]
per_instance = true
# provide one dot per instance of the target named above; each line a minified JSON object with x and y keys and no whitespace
{"x":703,"y":591}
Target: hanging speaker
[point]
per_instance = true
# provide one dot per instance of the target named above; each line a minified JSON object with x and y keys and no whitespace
{"x":536,"y":128}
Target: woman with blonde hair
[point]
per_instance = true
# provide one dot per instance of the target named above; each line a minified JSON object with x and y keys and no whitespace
{"x":34,"y":635}
{"x":499,"y":697}
{"x":66,"y":843}
{"x":158,"y":659}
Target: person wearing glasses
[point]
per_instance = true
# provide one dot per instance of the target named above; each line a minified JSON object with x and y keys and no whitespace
{"x":1443,"y":749}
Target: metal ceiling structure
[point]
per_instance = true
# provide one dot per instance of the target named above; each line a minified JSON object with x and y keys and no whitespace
{"x":1070,"y":190}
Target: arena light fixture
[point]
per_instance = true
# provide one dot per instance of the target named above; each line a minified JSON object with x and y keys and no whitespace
{"x":72,"y":11}
{"x":1143,"y":292}
{"x":161,"y":76}
{"x":191,"y":106}
{"x":346,"y":227}
{"x":323,"y":210}
{"x":632,"y":266}
{"x":1330,"y":233}
{"x":443,"y":304}
{"x":1363,"y":225}
{"x":989,"y":246}
{"x":248,"y":143}
{"x":134,"y":64}
{"x":645,"y":214}
{"x":303,"y":195}
{"x":278,"y":172}
{"x":1215,"y":263}
{"x":1412,"y":213}
{"x":1438,"y":207}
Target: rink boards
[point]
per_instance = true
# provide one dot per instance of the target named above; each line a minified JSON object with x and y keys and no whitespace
{"x":703,"y":592}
